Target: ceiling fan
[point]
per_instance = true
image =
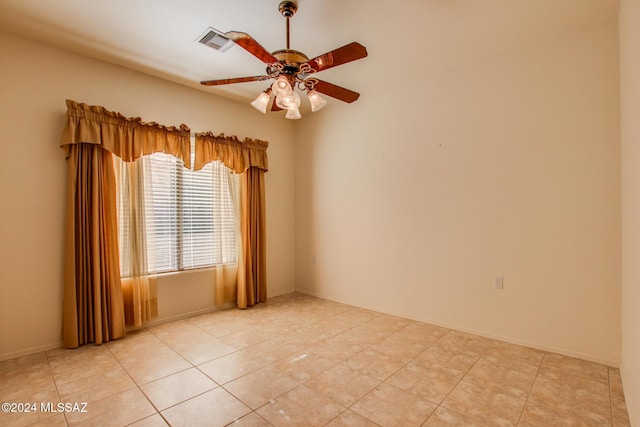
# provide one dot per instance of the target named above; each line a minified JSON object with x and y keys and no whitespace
{"x":292,"y":69}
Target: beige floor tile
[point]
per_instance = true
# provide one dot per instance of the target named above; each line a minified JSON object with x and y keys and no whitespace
{"x":251,"y":420}
{"x":444,"y":417}
{"x":175,"y":330}
{"x":619,"y":413}
{"x":34,"y":413}
{"x":301,"y":406}
{"x":275,"y":348}
{"x":97,"y":387}
{"x":177,"y":388}
{"x":615,"y":384}
{"x":425,"y":383}
{"x":354,"y":317}
{"x":387,"y":324}
{"x":187,"y":338}
{"x":362,"y":335}
{"x":25,"y":381}
{"x":345,"y":345}
{"x":400,"y":347}
{"x":513,"y":356}
{"x":328,"y":308}
{"x":152,"y":421}
{"x":537,"y":415}
{"x":576,"y":395}
{"x":449,"y":362}
{"x":137,"y":346}
{"x":246,"y":337}
{"x":155,"y":367}
{"x":463,"y":343}
{"x":422,"y":333}
{"x":322,"y":330}
{"x":331,"y":352}
{"x":57,"y":420}
{"x":350,"y":419}
{"x":87,"y":361}
{"x":205,"y":320}
{"x":491,"y":406}
{"x":507,"y":380}
{"x":232,"y":366}
{"x":68,"y":354}
{"x":259,"y":387}
{"x":374,"y":364}
{"x":556,"y":366}
{"x":227,"y":322}
{"x":388,"y":406}
{"x":118,"y":410}
{"x":343,"y":385}
{"x":213,"y":408}
{"x":304,"y":366}
{"x":29,"y":362}
{"x":222,"y":328}
{"x":204,"y":351}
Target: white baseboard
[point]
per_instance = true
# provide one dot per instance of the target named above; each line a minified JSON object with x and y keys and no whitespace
{"x":161,"y":320}
{"x":31,"y":350}
{"x":510,"y":340}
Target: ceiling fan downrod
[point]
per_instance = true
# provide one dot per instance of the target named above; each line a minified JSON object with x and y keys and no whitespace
{"x":288,"y":8}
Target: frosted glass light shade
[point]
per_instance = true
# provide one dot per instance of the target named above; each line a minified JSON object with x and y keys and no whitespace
{"x":281,"y":87}
{"x":286,"y":102}
{"x":293,"y":113}
{"x":316,"y":101}
{"x":261,"y":102}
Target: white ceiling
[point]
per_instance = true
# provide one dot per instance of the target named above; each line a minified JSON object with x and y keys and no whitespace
{"x":403,"y":37}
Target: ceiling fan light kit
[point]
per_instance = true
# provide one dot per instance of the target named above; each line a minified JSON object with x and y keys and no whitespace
{"x":292,"y":69}
{"x":262,"y":101}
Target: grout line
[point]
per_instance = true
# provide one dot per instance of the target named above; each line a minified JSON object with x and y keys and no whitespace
{"x":533,"y":384}
{"x":137,"y":386}
{"x":55,"y":383}
{"x":609,"y":389}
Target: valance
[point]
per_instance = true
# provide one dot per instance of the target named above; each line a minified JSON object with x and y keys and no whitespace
{"x":127,"y":138}
{"x":235,"y":154}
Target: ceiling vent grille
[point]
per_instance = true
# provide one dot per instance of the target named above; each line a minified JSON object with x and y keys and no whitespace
{"x":215,"y":39}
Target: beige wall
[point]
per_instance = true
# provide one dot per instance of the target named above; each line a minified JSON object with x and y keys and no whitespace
{"x":414,"y":198}
{"x":34,"y":83}
{"x":630,"y":135}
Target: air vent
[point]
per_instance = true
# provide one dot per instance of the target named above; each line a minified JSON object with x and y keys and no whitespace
{"x":215,"y":39}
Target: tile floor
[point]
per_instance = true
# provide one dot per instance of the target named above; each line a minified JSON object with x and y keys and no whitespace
{"x":304,"y":361}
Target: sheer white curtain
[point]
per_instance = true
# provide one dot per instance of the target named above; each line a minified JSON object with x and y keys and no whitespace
{"x":139,"y":291}
{"x":227,"y":244}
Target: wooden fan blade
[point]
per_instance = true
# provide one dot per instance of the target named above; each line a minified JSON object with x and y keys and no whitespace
{"x":245,"y":41}
{"x":274,"y":107}
{"x":236,"y":80}
{"x":339,"y":56}
{"x":336,"y":91}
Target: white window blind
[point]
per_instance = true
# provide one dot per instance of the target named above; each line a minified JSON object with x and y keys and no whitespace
{"x":190,"y":217}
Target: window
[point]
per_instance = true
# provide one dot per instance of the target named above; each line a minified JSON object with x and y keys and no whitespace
{"x":189,"y":217}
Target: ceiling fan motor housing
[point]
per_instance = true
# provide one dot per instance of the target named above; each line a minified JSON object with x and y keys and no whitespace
{"x":291,"y":59}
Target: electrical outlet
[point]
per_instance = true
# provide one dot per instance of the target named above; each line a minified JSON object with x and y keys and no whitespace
{"x":498,"y":283}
